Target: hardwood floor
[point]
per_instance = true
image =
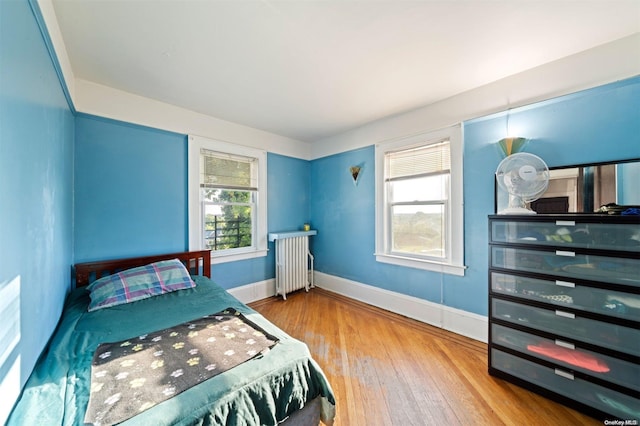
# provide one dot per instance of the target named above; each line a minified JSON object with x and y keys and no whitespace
{"x":386,"y":369}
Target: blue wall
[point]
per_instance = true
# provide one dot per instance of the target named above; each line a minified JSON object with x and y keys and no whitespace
{"x":344,"y":214}
{"x":36,"y":196}
{"x":597,"y":125}
{"x":288,"y":183}
{"x":600,"y":124}
{"x":130,"y":190}
{"x":131,"y":196}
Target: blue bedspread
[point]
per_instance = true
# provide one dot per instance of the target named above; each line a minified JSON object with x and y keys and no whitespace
{"x":262,"y":391}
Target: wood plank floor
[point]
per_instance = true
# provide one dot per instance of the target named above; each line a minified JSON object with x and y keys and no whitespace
{"x":386,"y":369}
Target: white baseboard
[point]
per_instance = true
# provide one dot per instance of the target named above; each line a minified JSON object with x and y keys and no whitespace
{"x":254,"y":291}
{"x":455,"y":320}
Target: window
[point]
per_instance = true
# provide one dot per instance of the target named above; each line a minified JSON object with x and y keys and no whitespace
{"x":417,"y":184}
{"x":227,"y":199}
{"x":419,"y":201}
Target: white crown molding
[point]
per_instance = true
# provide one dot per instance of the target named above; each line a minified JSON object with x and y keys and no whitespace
{"x":603,"y":64}
{"x":104,"y":101}
{"x":600,"y":65}
{"x":51,"y":22}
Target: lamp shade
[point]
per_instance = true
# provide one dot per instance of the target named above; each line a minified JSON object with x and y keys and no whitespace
{"x":512,"y":145}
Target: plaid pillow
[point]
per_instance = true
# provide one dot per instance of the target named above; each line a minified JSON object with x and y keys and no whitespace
{"x":139,"y":283}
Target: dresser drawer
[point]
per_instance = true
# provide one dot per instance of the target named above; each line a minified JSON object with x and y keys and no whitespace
{"x":566,"y":355}
{"x":568,"y":264}
{"x":565,"y":293}
{"x":563,"y":383}
{"x":568,"y":234}
{"x":565,"y":324}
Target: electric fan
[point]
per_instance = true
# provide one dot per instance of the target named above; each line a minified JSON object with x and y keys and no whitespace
{"x":525,"y":177}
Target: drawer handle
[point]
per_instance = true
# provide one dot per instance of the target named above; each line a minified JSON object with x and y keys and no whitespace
{"x":565,"y":284}
{"x":565,"y":253}
{"x":565,"y":344}
{"x":564,"y":374}
{"x":565,"y":314}
{"x":566,"y":222}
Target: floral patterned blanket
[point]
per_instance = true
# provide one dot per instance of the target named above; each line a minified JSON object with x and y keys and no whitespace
{"x":131,"y":376}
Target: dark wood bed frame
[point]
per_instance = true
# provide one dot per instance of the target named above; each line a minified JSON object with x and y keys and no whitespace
{"x":196,"y":262}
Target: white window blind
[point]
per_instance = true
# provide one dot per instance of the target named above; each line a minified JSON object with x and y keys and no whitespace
{"x":226,"y":171}
{"x":419,"y":162}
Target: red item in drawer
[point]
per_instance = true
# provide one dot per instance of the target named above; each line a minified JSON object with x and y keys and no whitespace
{"x":570,"y":356}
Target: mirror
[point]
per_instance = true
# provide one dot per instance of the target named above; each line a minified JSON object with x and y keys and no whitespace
{"x":584,"y":188}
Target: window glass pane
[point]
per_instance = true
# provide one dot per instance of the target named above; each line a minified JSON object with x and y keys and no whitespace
{"x":227,"y":219}
{"x":227,"y":196}
{"x":428,"y":188}
{"x":418,"y":230}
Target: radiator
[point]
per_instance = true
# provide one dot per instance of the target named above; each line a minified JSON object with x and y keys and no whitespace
{"x":294,"y":262}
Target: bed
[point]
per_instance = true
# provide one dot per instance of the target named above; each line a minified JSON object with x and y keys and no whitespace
{"x":282,"y":385}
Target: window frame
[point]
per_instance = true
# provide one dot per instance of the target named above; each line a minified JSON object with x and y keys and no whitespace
{"x":453,"y":261}
{"x":195,"y":203}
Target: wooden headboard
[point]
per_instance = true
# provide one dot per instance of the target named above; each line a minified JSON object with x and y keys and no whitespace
{"x":88,"y":272}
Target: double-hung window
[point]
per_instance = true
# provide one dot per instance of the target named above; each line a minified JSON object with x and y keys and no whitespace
{"x":227,"y":199}
{"x":419,"y":201}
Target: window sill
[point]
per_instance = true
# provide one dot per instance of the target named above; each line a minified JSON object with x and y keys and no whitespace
{"x":427,"y":265}
{"x":217,"y":258}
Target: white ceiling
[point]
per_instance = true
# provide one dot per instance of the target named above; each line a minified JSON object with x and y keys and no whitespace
{"x":312,"y":69}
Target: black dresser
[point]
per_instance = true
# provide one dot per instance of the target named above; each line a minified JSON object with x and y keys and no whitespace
{"x":564,"y":309}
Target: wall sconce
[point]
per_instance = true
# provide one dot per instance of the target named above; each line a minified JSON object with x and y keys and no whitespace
{"x":512,"y":145}
{"x":355,"y":171}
